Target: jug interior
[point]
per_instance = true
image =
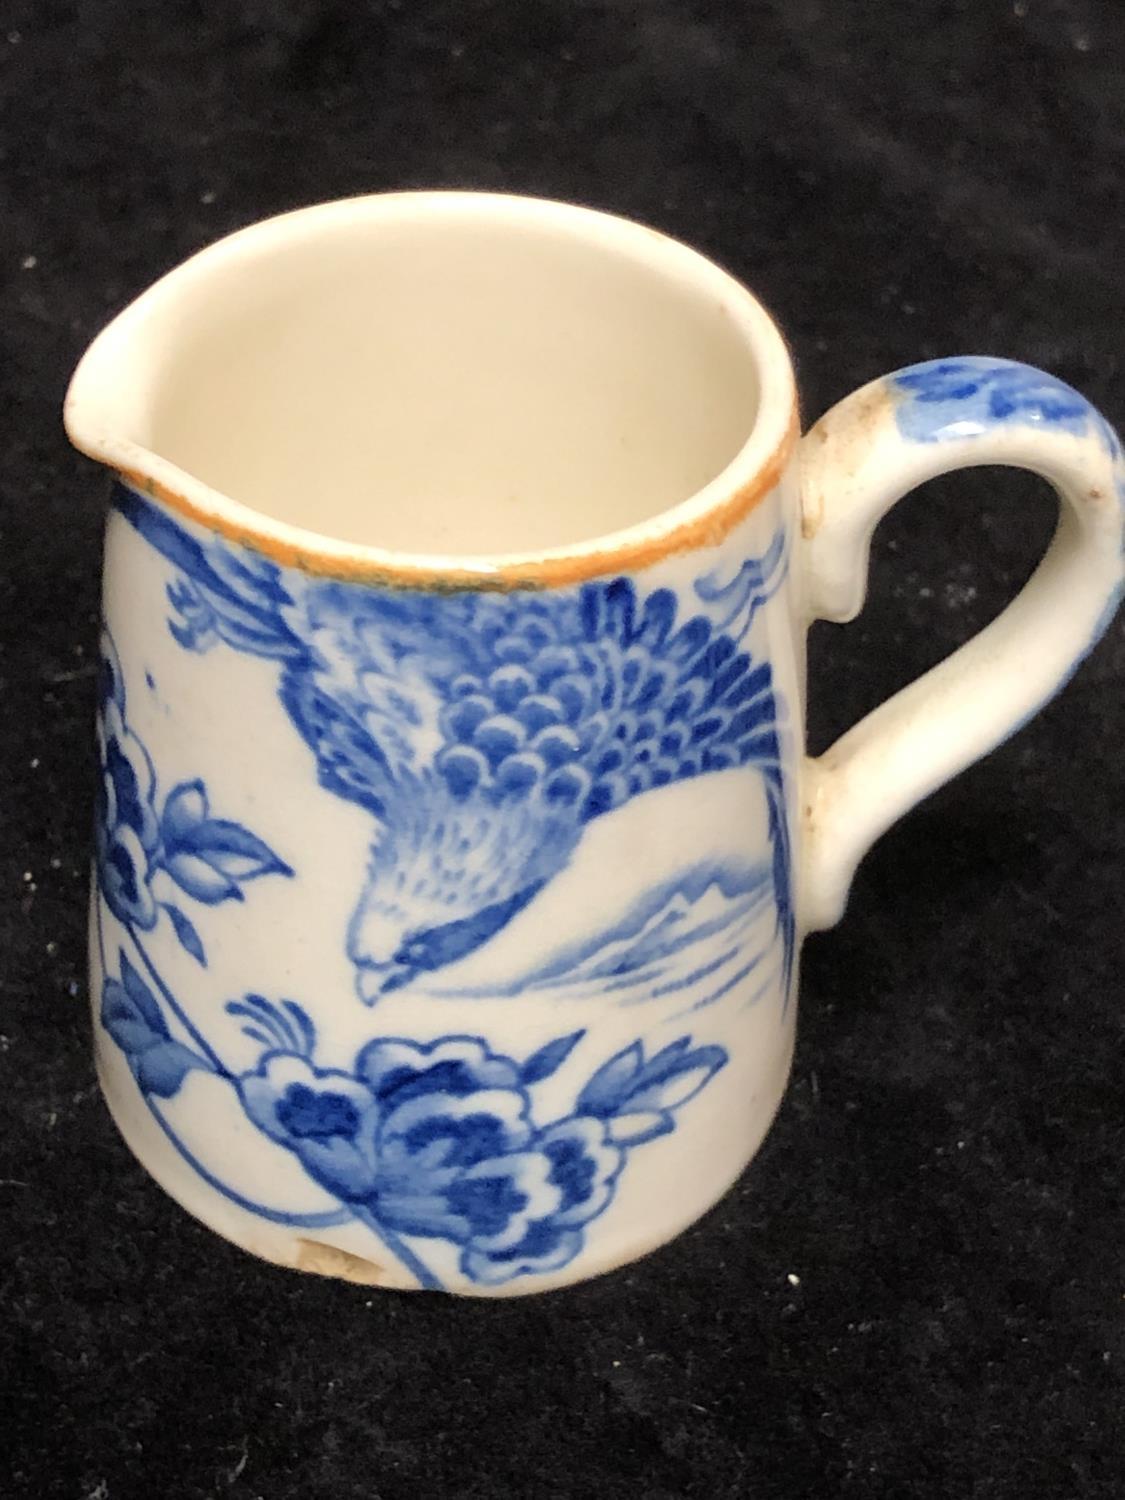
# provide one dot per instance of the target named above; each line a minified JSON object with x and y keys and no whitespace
{"x":450,"y":384}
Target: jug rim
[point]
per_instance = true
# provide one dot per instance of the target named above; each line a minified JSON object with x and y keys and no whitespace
{"x":700,"y":520}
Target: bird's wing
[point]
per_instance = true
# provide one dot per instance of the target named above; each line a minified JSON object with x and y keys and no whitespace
{"x":580,"y":700}
{"x":220,"y":593}
{"x":364,"y":673}
{"x":627,"y":696}
{"x":576,"y":699}
{"x":586,"y":698}
{"x":370,"y":690}
{"x":671,"y":699}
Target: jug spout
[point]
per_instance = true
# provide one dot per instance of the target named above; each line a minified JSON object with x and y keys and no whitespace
{"x":189,"y":391}
{"x":107,"y":412}
{"x":120,"y":407}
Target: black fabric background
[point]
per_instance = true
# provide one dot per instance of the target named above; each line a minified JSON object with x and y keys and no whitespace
{"x":896,"y":181}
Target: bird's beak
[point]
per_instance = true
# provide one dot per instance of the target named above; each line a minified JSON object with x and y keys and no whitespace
{"x":369,"y":982}
{"x":373,"y":981}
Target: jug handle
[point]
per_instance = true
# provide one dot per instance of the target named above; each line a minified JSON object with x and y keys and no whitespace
{"x":855,"y":463}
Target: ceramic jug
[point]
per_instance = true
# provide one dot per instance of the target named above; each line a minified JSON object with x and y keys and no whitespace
{"x":455,"y":837}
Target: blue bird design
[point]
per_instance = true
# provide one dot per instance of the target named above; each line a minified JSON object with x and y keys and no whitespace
{"x":481,"y":731}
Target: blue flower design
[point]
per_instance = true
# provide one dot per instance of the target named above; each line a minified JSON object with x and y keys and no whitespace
{"x":127,"y":828}
{"x":323,"y":1115}
{"x":948,"y":398}
{"x":438,"y":1140}
{"x":581,"y":1170}
{"x":208,"y":858}
{"x":434,"y":1140}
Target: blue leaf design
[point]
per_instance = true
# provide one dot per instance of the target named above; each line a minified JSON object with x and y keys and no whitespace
{"x":269,"y":1042}
{"x":306,"y":1038}
{"x":133,"y":1019}
{"x":633,"y":1129}
{"x":674,"y":1076}
{"x":678,"y":1087}
{"x":230,"y":849}
{"x":550,"y":1058}
{"x":185,"y":808}
{"x":185,"y":931}
{"x":287,"y":1026}
{"x":161,"y":1069}
{"x":666,"y":1054}
{"x":607,"y":1088}
{"x":200,"y":879}
{"x":123,"y":1021}
{"x":628,"y":1087}
{"x":141,"y":997}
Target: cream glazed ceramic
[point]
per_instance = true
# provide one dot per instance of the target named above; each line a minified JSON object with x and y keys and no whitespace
{"x":455,"y":840}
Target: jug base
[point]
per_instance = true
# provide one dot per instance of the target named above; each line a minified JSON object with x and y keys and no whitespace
{"x":340,"y":1250}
